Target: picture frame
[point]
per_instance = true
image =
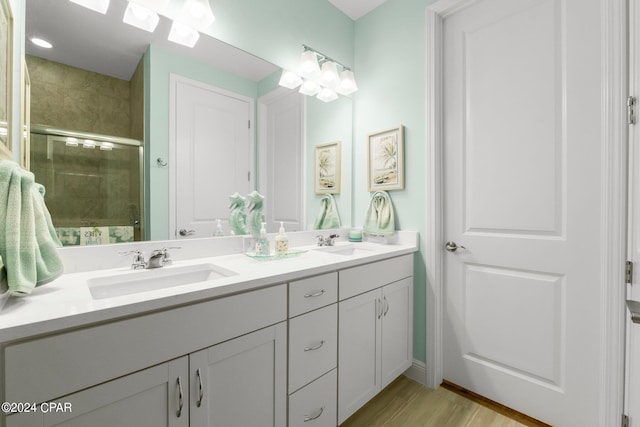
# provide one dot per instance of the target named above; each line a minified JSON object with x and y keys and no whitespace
{"x":385,"y":159}
{"x":6,"y":82}
{"x":328,"y":166}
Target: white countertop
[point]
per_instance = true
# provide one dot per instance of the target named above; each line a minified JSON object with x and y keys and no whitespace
{"x":67,"y":303}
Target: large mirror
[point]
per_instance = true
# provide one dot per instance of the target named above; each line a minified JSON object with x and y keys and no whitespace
{"x":101,"y":51}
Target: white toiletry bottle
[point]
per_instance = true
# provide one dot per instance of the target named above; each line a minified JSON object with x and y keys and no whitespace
{"x":262,"y":243}
{"x":219,"y":231}
{"x":282,"y":242}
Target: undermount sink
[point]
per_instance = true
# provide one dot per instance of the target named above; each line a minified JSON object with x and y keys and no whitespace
{"x":136,"y":281}
{"x":346,"y":249}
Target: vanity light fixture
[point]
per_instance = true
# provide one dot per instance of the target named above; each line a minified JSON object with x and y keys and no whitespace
{"x":183,"y":34}
{"x":317,"y":74}
{"x":141,"y":17}
{"x":290,"y":80}
{"x":196,"y":14}
{"x":100,"y":6}
{"x":41,"y":42}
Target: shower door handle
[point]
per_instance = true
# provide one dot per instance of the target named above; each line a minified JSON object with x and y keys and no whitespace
{"x":184,"y":232}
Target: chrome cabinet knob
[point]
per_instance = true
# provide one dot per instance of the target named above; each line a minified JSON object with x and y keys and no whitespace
{"x":452,"y":246}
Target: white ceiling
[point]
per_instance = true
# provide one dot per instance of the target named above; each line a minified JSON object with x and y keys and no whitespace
{"x":355,"y":9}
{"x":104,"y":44}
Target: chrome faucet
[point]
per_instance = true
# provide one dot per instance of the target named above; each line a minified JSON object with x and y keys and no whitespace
{"x":159,"y":258}
{"x":327,"y":241}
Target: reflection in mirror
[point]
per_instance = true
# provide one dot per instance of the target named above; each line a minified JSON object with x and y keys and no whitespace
{"x":93,"y":81}
{"x":6,"y":71}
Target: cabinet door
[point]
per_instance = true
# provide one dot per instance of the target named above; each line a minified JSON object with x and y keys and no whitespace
{"x":358,"y":361}
{"x":241,"y":382}
{"x":148,"y":398}
{"x":397,"y":330}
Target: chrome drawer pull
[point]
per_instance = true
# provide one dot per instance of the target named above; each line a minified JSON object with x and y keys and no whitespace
{"x":317,"y":294}
{"x":180,"y":399}
{"x":315,"y":347}
{"x":200,"y":389}
{"x":313,"y":417}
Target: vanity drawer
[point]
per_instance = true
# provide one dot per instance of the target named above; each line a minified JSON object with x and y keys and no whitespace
{"x":315,"y":403}
{"x":313,"y":345}
{"x":312,"y":293}
{"x":364,"y":278}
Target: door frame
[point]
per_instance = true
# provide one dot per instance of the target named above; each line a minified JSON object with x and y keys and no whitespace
{"x":174,"y":79}
{"x":613,"y":195}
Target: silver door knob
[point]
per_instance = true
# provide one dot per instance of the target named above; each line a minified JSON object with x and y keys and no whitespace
{"x":184,"y":232}
{"x":452,"y":247}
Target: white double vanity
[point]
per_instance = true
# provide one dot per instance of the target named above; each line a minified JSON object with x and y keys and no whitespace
{"x":227,"y":340}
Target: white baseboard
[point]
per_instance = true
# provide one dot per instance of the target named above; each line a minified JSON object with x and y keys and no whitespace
{"x":417,"y":372}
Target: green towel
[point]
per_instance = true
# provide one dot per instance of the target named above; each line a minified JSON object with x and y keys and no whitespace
{"x":28,"y":241}
{"x":380,"y":220}
{"x":328,"y":216}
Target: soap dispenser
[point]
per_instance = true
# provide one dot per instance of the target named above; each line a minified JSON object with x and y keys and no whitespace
{"x":282,"y":242}
{"x":262,"y":243}
{"x":219,"y":231}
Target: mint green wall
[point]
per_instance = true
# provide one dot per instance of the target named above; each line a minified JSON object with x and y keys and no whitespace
{"x":275,"y":30}
{"x":329,"y":122}
{"x":390,"y":70}
{"x":158,"y":65}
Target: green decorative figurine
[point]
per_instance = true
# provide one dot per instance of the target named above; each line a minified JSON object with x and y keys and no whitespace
{"x":237,"y":217}
{"x":256,"y":217}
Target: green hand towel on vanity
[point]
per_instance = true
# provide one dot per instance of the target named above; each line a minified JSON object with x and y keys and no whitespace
{"x":328,"y":216}
{"x":28,"y":240}
{"x":380,"y":220}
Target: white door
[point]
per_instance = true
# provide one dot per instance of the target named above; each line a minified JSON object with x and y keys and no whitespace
{"x":522,"y":129}
{"x":396,"y":337}
{"x":281,"y":155}
{"x":211,"y":148}
{"x":632,"y":380}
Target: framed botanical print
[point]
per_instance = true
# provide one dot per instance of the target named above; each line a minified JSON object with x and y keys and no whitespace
{"x":327,"y":168}
{"x":385,"y":159}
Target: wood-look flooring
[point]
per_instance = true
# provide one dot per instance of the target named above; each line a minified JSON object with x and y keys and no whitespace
{"x":405,"y":403}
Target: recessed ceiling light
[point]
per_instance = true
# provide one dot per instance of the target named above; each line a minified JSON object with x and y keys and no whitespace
{"x":41,"y":42}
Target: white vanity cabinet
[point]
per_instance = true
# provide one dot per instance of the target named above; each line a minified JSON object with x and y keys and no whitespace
{"x":219,"y":362}
{"x":375,"y":337}
{"x":242,"y":382}
{"x":148,"y":398}
{"x":313,"y":348}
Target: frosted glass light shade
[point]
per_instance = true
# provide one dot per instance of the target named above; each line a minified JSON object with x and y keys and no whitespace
{"x":196,"y":14}
{"x":326,"y":94}
{"x":88,"y":143}
{"x":309,"y":87}
{"x":289,"y":79}
{"x":329,"y":75}
{"x":347,"y":83}
{"x":141,"y":17}
{"x":155,"y":5}
{"x":308,"y":67}
{"x":100,"y":6}
{"x":183,"y":34}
